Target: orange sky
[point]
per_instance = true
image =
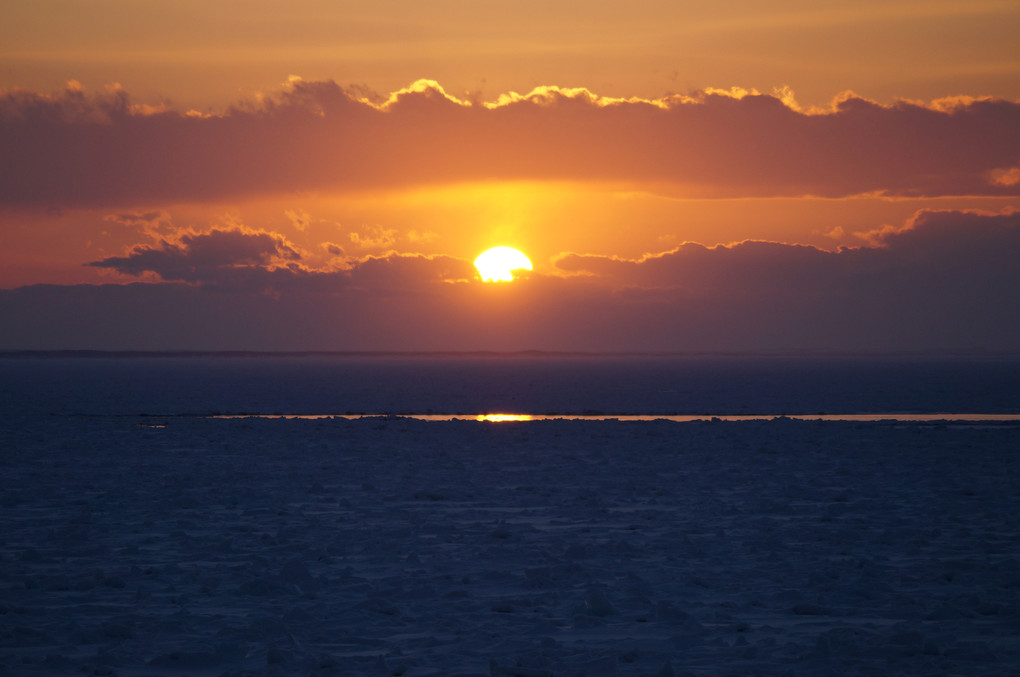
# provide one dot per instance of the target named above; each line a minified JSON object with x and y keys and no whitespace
{"x":376,"y":146}
{"x":213,"y":52}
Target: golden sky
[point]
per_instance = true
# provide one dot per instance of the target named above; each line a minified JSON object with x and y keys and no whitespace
{"x":208,"y":52}
{"x":353,"y":155}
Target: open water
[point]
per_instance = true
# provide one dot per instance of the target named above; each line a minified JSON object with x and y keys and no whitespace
{"x":533,"y":384}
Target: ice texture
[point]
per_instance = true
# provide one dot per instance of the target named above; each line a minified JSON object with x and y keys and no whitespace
{"x":186,"y":546}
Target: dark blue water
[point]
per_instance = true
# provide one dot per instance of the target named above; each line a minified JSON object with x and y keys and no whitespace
{"x":322,"y":384}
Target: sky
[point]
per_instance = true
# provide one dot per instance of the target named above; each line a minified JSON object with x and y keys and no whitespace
{"x":684,"y":176}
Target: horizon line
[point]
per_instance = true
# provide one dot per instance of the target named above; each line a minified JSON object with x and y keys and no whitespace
{"x":535,"y":353}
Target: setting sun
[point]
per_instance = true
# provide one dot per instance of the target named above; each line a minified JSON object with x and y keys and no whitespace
{"x":497,"y":264}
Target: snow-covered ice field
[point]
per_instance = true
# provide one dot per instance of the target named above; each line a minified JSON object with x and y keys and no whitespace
{"x":178,"y":545}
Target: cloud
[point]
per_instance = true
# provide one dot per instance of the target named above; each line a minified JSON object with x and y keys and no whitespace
{"x":945,"y":280}
{"x":375,"y":238}
{"x":155,"y":222}
{"x":205,"y":257}
{"x":243,"y":260}
{"x":76,"y":149}
{"x":424,"y":237}
{"x":298,"y":218}
{"x":748,"y":268}
{"x":334,"y":249}
{"x":935,"y":249}
{"x":1007,"y":176}
{"x":408,"y":272}
{"x":144,"y":220}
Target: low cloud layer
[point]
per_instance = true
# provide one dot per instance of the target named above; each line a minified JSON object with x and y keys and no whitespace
{"x":936,"y":250}
{"x":75,"y":149}
{"x":947,"y":280}
{"x":243,"y":260}
{"x":200,"y":257}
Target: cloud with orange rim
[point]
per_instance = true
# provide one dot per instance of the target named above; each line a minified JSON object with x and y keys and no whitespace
{"x":941,"y":281}
{"x":318,"y":136}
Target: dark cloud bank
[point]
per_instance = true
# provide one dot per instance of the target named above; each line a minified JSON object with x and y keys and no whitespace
{"x":75,"y":149}
{"x":950,"y":281}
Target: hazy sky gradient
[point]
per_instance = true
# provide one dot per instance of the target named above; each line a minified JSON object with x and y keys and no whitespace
{"x":201,"y":53}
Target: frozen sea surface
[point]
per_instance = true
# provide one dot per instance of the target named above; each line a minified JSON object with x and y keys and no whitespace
{"x":189,"y":546}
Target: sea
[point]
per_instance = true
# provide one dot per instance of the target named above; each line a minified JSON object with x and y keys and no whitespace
{"x":150,"y":527}
{"x":507,"y":386}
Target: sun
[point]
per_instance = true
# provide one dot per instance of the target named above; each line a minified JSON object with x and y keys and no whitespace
{"x":497,"y":264}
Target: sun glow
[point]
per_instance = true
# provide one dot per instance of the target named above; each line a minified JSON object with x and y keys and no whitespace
{"x":497,"y":264}
{"x":504,"y":418}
